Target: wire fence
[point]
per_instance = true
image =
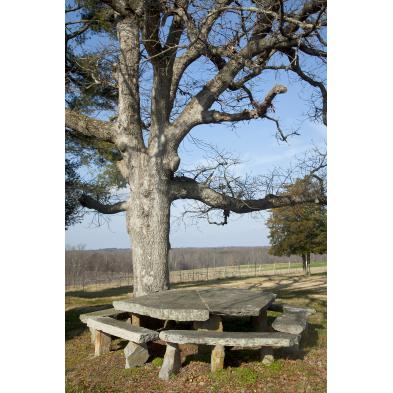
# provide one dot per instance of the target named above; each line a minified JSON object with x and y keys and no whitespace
{"x":96,"y":280}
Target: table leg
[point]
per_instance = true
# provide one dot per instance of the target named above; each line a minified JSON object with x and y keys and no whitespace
{"x":213,"y":323}
{"x":136,"y":320}
{"x":259,"y":323}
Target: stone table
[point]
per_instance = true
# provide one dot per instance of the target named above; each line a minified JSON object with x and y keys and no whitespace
{"x":204,"y":307}
{"x":201,"y":305}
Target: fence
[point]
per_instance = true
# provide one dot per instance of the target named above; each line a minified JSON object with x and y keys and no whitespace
{"x":94,"y":280}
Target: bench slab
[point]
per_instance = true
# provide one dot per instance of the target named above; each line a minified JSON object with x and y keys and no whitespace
{"x":109,"y":312}
{"x":122,"y":329}
{"x":241,"y":339}
{"x":293,"y":320}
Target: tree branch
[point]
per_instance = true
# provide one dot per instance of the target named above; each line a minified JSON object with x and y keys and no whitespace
{"x":87,"y":126}
{"x":259,"y":111}
{"x":187,"y":188}
{"x":91,"y":203}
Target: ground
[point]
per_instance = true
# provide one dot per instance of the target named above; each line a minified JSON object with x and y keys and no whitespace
{"x":243,"y":373}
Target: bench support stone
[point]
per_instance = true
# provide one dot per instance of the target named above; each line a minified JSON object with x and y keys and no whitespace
{"x":172,"y":363}
{"x":217,"y":358}
{"x":102,"y":343}
{"x":92,"y":335}
{"x":266,"y":355}
{"x":136,"y":354}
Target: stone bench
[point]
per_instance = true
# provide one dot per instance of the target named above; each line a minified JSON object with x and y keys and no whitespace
{"x":109,"y":312}
{"x":135,"y":352}
{"x":292,"y":321}
{"x":266,"y":340}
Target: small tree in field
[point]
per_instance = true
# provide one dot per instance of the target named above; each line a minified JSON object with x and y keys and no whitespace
{"x":133,"y":96}
{"x":298,"y":230}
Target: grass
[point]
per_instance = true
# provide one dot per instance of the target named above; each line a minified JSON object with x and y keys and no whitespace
{"x":243,"y":370}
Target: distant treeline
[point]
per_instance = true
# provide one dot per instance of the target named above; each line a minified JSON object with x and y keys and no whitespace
{"x":115,"y":261}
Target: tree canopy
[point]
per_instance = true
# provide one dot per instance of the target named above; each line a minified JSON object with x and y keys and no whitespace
{"x":298,"y":229}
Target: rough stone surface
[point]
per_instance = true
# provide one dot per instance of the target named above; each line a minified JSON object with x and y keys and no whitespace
{"x":102,"y":343}
{"x":172,"y":363}
{"x":293,"y":321}
{"x":136,"y":354}
{"x":198,"y":305}
{"x":122,"y":329}
{"x":217,"y":358}
{"x":236,"y":302}
{"x":241,"y":339}
{"x":174,"y":305}
{"x":110,"y":312}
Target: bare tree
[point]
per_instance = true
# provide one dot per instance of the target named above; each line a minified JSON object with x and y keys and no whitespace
{"x":158,"y":101}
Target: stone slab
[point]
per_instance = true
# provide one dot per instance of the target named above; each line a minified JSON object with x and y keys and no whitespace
{"x":240,"y":339}
{"x":122,"y":329}
{"x":174,"y":305}
{"x":172,"y":362}
{"x":290,"y":323}
{"x":136,"y":354}
{"x":236,"y":302}
{"x":110,"y":312}
{"x":198,"y":305}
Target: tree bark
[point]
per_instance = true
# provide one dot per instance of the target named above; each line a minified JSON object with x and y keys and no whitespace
{"x":148,"y":222}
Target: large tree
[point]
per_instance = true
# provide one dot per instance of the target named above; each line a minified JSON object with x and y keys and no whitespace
{"x":135,"y":97}
{"x":298,"y":230}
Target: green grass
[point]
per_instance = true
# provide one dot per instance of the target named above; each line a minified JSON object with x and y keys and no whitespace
{"x":157,"y":362}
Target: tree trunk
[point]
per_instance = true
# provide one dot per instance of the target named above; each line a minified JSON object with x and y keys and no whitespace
{"x":308,"y":263}
{"x":304,"y":259}
{"x":148,"y":222}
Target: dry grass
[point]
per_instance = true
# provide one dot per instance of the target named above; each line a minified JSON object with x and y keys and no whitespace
{"x":243,"y":372}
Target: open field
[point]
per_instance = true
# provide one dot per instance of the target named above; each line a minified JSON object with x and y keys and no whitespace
{"x":243,"y":372}
{"x":202,"y":274}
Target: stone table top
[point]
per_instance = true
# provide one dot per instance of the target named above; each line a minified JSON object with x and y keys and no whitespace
{"x":198,"y":305}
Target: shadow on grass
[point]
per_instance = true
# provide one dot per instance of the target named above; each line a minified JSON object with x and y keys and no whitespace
{"x":107,"y":292}
{"x":73,"y":325}
{"x":289,"y":280}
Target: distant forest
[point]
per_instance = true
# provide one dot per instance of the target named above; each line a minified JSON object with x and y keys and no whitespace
{"x":119,"y":260}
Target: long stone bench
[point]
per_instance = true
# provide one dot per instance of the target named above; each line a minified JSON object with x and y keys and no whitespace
{"x":109,"y":312}
{"x":293,"y":321}
{"x":266,"y":340}
{"x":136,"y":352}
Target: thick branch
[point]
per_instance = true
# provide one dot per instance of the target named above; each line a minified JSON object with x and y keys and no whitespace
{"x":90,"y":203}
{"x":187,"y":188}
{"x":259,"y":111}
{"x":87,"y":126}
